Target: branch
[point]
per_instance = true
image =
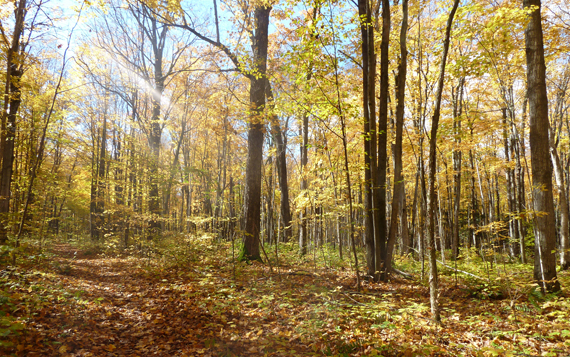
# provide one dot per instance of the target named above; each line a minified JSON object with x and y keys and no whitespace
{"x":351,"y":58}
{"x":215,"y":43}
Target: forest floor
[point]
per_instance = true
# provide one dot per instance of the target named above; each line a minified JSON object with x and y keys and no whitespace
{"x":194,"y":301}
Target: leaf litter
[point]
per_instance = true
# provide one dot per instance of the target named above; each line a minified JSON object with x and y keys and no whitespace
{"x":78,"y":305}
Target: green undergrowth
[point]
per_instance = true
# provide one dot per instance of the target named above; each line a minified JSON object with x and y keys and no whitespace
{"x":26,"y":288}
{"x":496,"y":311}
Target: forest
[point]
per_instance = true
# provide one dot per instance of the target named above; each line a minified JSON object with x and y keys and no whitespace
{"x":285,"y":178}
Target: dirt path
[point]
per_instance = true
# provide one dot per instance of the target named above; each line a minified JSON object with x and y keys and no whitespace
{"x":94,"y":306}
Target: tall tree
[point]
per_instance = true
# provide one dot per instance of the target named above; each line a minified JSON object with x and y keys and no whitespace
{"x":369,"y":112}
{"x":457,"y":109}
{"x":380,"y":224}
{"x":555,"y":133}
{"x":431,"y":197}
{"x":260,"y":41}
{"x":398,"y":192}
{"x":12,"y":100}
{"x":545,"y":230}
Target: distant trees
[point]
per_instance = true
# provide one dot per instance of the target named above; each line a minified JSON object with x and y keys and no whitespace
{"x":33,"y":82}
{"x":134,"y":40}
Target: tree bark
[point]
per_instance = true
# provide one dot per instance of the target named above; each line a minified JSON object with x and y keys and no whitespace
{"x":303,"y":238}
{"x":564,"y":212}
{"x":545,"y":237}
{"x":457,"y":156}
{"x":555,"y":132}
{"x":155,"y":132}
{"x":101,"y":173}
{"x":380,"y":229}
{"x":397,"y":198}
{"x":368,"y":107}
{"x":12,"y":99}
{"x":281,"y":158}
{"x":431,"y":198}
{"x":250,"y":249}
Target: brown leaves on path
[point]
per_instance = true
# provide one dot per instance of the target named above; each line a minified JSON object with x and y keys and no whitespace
{"x":112,"y":307}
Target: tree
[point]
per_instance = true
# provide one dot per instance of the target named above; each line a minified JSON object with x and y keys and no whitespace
{"x":379,"y":196}
{"x":15,"y":53}
{"x":369,"y":113}
{"x":554,"y":141}
{"x":281,"y":162}
{"x":431,"y":199}
{"x":398,"y":191}
{"x":545,"y":228}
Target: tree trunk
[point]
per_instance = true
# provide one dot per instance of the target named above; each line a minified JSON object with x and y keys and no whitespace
{"x":379,"y":202}
{"x":155,"y":134}
{"x":101,"y":185}
{"x":545,"y":239}
{"x":564,"y":212}
{"x":510,"y":187}
{"x":250,"y":249}
{"x":555,"y":132}
{"x":173,"y":169}
{"x":281,"y":163}
{"x":521,"y":185}
{"x":12,"y":99}
{"x":397,"y":198}
{"x":431,"y":198}
{"x":303,"y":238}
{"x":368,"y":107}
{"x":457,"y":156}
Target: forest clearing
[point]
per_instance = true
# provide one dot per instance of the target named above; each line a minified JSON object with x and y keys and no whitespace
{"x":284,"y":178}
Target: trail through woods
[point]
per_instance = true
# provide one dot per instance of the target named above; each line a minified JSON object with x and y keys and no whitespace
{"x":116,"y":308}
{"x":77,"y":303}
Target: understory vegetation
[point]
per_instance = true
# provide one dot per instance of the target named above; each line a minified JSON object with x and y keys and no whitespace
{"x":189,"y":296}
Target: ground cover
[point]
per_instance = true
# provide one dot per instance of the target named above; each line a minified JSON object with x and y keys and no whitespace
{"x":190,"y":298}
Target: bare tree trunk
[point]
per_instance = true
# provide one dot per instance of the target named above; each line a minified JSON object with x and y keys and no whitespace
{"x":545,"y":239}
{"x":510,"y":187}
{"x":155,"y":134}
{"x":173,"y":170}
{"x":303,"y":238}
{"x":281,"y":163}
{"x":93,"y":192}
{"x":250,"y":250}
{"x":101,"y":173}
{"x":475,"y":216}
{"x":433,"y":279}
{"x":397,"y":198}
{"x":12,"y":99}
{"x":521,"y":185}
{"x":404,"y":228}
{"x":457,"y":156}
{"x":380,"y":236}
{"x":564,"y":212}
{"x":555,"y":131}
{"x":369,"y":110}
